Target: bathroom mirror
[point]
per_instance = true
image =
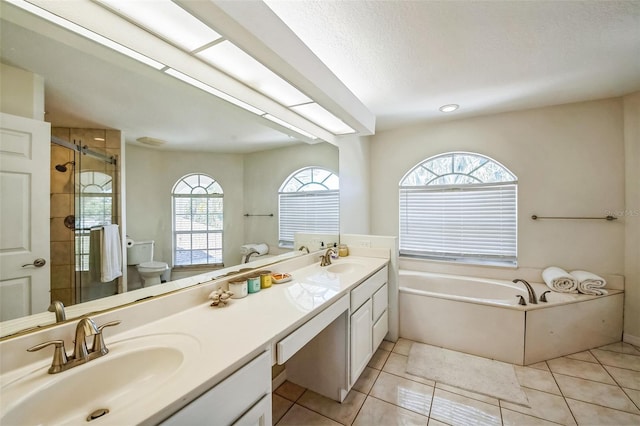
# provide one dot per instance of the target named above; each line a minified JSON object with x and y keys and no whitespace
{"x":265,"y":159}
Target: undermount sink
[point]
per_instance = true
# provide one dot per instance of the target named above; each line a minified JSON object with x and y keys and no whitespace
{"x":133,"y":369}
{"x":343,"y":267}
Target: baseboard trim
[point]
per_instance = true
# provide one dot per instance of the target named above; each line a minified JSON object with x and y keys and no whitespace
{"x":628,"y":338}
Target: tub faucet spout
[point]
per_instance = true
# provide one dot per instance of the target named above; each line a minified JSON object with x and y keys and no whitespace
{"x":532,"y":293}
{"x":247,"y":258}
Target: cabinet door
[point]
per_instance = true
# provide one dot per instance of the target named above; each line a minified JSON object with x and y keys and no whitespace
{"x":361,"y":339}
{"x":258,"y":415}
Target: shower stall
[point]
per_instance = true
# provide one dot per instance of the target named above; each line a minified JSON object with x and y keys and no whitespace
{"x":85,"y":196}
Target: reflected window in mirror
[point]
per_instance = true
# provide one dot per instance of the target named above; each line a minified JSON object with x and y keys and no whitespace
{"x":308,"y":201}
{"x":197,"y":201}
{"x":94,"y":207}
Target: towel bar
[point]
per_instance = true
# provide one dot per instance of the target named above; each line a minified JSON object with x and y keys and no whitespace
{"x":609,"y":218}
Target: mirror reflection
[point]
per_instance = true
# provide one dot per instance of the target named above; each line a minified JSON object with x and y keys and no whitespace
{"x":189,"y":209}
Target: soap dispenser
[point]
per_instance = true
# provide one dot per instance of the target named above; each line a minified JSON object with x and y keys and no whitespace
{"x":334,"y":253}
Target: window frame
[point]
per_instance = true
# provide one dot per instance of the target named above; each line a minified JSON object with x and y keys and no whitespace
{"x":215,"y":192}
{"x":84,"y":182}
{"x":445,"y":208}
{"x":314,"y":195}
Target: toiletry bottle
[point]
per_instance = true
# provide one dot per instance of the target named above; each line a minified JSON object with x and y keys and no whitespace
{"x":334,"y":253}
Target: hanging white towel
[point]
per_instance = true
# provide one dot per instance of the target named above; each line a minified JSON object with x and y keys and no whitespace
{"x":110,"y":254}
{"x":560,"y":280}
{"x":589,"y":283}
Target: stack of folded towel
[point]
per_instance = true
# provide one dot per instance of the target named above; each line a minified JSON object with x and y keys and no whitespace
{"x":573,"y":282}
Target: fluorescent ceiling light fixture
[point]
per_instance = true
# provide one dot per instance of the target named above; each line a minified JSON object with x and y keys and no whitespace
{"x":449,"y":107}
{"x":86,"y":33}
{"x":323,"y":118}
{"x":232,"y":60}
{"x":289,"y":126}
{"x":166,"y":19}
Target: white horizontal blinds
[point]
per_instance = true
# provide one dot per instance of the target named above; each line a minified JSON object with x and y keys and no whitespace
{"x":459,"y":206}
{"x":309,"y":201}
{"x":469,"y":222}
{"x":317,"y":211}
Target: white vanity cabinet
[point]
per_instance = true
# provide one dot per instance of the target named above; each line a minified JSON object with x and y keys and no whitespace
{"x":368,"y":321}
{"x":243,"y":398}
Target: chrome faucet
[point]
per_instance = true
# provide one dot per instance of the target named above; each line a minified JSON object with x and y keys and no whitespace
{"x":325,"y":259}
{"x":532,"y":293}
{"x":58,"y":307}
{"x":304,"y":248}
{"x":247,"y":258}
{"x":81,"y":354}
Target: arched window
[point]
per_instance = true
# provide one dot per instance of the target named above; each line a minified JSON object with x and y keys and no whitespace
{"x":459,"y":206}
{"x":94,"y":207}
{"x":197,"y":201}
{"x":309,"y":201}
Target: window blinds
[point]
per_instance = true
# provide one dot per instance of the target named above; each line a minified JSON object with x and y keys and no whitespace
{"x":474,"y":222}
{"x":308,"y":212}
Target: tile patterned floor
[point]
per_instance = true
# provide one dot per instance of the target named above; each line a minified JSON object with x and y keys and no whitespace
{"x":596,"y":387}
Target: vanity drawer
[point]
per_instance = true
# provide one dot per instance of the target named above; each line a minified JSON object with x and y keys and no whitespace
{"x":380,"y":301}
{"x":380,"y":329}
{"x":229,"y":400}
{"x":365,"y":290}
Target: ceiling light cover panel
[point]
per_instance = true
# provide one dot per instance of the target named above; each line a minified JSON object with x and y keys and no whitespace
{"x":228,"y":58}
{"x":167,"y":20}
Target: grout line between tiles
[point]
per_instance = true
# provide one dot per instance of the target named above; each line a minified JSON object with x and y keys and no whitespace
{"x":530,"y":415}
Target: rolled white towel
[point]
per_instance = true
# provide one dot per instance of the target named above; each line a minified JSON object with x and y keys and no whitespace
{"x":560,"y":280}
{"x":246,"y":248}
{"x":589,"y":283}
{"x":261,"y":249}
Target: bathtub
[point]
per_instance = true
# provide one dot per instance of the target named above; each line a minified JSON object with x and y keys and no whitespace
{"x":482,"y":317}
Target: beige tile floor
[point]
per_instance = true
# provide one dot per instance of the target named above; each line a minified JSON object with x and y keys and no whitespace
{"x":596,"y":387}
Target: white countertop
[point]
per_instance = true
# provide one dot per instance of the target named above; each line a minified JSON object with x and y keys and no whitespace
{"x":225,"y":338}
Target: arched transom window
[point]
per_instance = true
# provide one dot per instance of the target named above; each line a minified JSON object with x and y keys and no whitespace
{"x":309,"y":201}
{"x":459,"y":206}
{"x":197,"y":221}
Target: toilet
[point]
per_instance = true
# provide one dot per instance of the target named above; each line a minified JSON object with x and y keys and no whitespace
{"x":140,"y":253}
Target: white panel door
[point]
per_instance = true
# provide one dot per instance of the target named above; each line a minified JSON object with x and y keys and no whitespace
{"x":24,"y":216}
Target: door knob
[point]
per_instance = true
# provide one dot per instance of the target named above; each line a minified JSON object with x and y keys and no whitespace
{"x":38,"y":263}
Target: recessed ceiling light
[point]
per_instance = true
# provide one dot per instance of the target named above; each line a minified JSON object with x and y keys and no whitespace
{"x":151,"y":141}
{"x":449,"y":107}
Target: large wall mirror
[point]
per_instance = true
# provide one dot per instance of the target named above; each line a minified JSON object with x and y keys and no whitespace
{"x":94,"y":97}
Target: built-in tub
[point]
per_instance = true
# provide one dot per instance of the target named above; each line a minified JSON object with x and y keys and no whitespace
{"x":482,"y":317}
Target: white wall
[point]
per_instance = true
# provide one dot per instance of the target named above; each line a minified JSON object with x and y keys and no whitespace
{"x":632,"y":218}
{"x":151,"y":174}
{"x":22,"y":92}
{"x":264,"y":172}
{"x":569,"y":160}
{"x":354,"y":184}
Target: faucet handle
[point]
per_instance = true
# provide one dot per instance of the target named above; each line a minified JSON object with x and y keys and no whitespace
{"x":521,"y":300}
{"x":59,"y":354}
{"x":98,"y":340}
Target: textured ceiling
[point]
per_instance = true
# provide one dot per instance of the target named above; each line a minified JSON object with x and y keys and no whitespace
{"x":404,"y":59}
